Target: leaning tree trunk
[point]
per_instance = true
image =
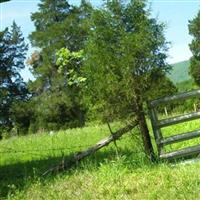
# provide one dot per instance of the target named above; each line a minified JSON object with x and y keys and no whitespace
{"x":77,"y":157}
{"x":140,"y":115}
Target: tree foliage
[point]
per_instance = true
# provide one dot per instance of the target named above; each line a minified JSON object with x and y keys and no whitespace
{"x":12,"y":55}
{"x":94,"y":63}
{"x":59,"y":27}
{"x":125,"y":51}
{"x":194,"y":29}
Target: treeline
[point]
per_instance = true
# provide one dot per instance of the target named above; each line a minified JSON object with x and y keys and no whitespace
{"x":90,"y":64}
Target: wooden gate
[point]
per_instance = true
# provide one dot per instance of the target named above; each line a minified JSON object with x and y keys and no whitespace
{"x":158,"y":124}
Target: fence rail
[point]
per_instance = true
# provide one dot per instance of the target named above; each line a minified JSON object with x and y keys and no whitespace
{"x":169,"y":99}
{"x":158,"y":124}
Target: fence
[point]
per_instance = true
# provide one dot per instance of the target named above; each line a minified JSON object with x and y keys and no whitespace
{"x":158,"y":124}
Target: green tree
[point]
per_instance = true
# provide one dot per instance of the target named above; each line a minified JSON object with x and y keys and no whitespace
{"x":194,"y":28}
{"x":58,"y":25}
{"x":161,"y":86}
{"x":125,"y":49}
{"x":12,"y":55}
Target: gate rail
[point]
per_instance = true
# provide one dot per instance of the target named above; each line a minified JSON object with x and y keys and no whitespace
{"x":158,"y":124}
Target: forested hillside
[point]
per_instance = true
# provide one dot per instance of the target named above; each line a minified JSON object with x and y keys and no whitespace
{"x":180,"y":72}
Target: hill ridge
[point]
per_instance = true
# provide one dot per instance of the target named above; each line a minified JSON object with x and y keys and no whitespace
{"x":180,"y":72}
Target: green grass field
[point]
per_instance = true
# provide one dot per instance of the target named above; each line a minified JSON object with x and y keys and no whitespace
{"x":102,"y":176}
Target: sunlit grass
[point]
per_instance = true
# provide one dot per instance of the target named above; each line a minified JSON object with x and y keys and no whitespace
{"x":105,"y":175}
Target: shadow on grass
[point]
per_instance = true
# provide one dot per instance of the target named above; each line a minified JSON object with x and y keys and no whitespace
{"x":21,"y":174}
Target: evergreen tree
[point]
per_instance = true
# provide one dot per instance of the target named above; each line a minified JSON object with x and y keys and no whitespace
{"x":12,"y":55}
{"x":58,"y":25}
{"x":194,"y":28}
{"x":47,"y":38}
{"x":126,"y":48}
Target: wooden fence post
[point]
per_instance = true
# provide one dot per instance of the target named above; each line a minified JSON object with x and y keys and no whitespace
{"x":158,"y":124}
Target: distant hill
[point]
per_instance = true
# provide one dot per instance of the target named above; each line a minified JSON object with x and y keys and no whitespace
{"x":180,"y":72}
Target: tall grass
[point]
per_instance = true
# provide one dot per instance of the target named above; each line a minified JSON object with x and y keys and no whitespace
{"x":105,"y":175}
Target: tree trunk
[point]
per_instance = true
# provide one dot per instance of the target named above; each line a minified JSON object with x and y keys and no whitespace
{"x":140,"y":115}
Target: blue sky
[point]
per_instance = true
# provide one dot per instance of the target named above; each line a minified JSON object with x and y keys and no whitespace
{"x":175,"y":13}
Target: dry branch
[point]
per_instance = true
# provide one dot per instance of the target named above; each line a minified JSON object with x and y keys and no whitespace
{"x":64,"y":165}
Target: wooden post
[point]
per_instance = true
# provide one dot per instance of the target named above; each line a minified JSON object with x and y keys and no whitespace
{"x":140,"y":116}
{"x":157,"y":131}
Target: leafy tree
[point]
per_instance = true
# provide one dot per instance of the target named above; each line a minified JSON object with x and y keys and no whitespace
{"x":47,"y":38}
{"x":125,"y":49}
{"x":22,"y":115}
{"x":161,"y":86}
{"x":194,"y":28}
{"x":61,"y":107}
{"x":12,"y":55}
{"x":69,"y":65}
{"x":58,"y":25}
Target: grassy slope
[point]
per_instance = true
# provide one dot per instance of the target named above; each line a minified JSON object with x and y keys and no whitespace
{"x":102,"y":176}
{"x":179,"y":72}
